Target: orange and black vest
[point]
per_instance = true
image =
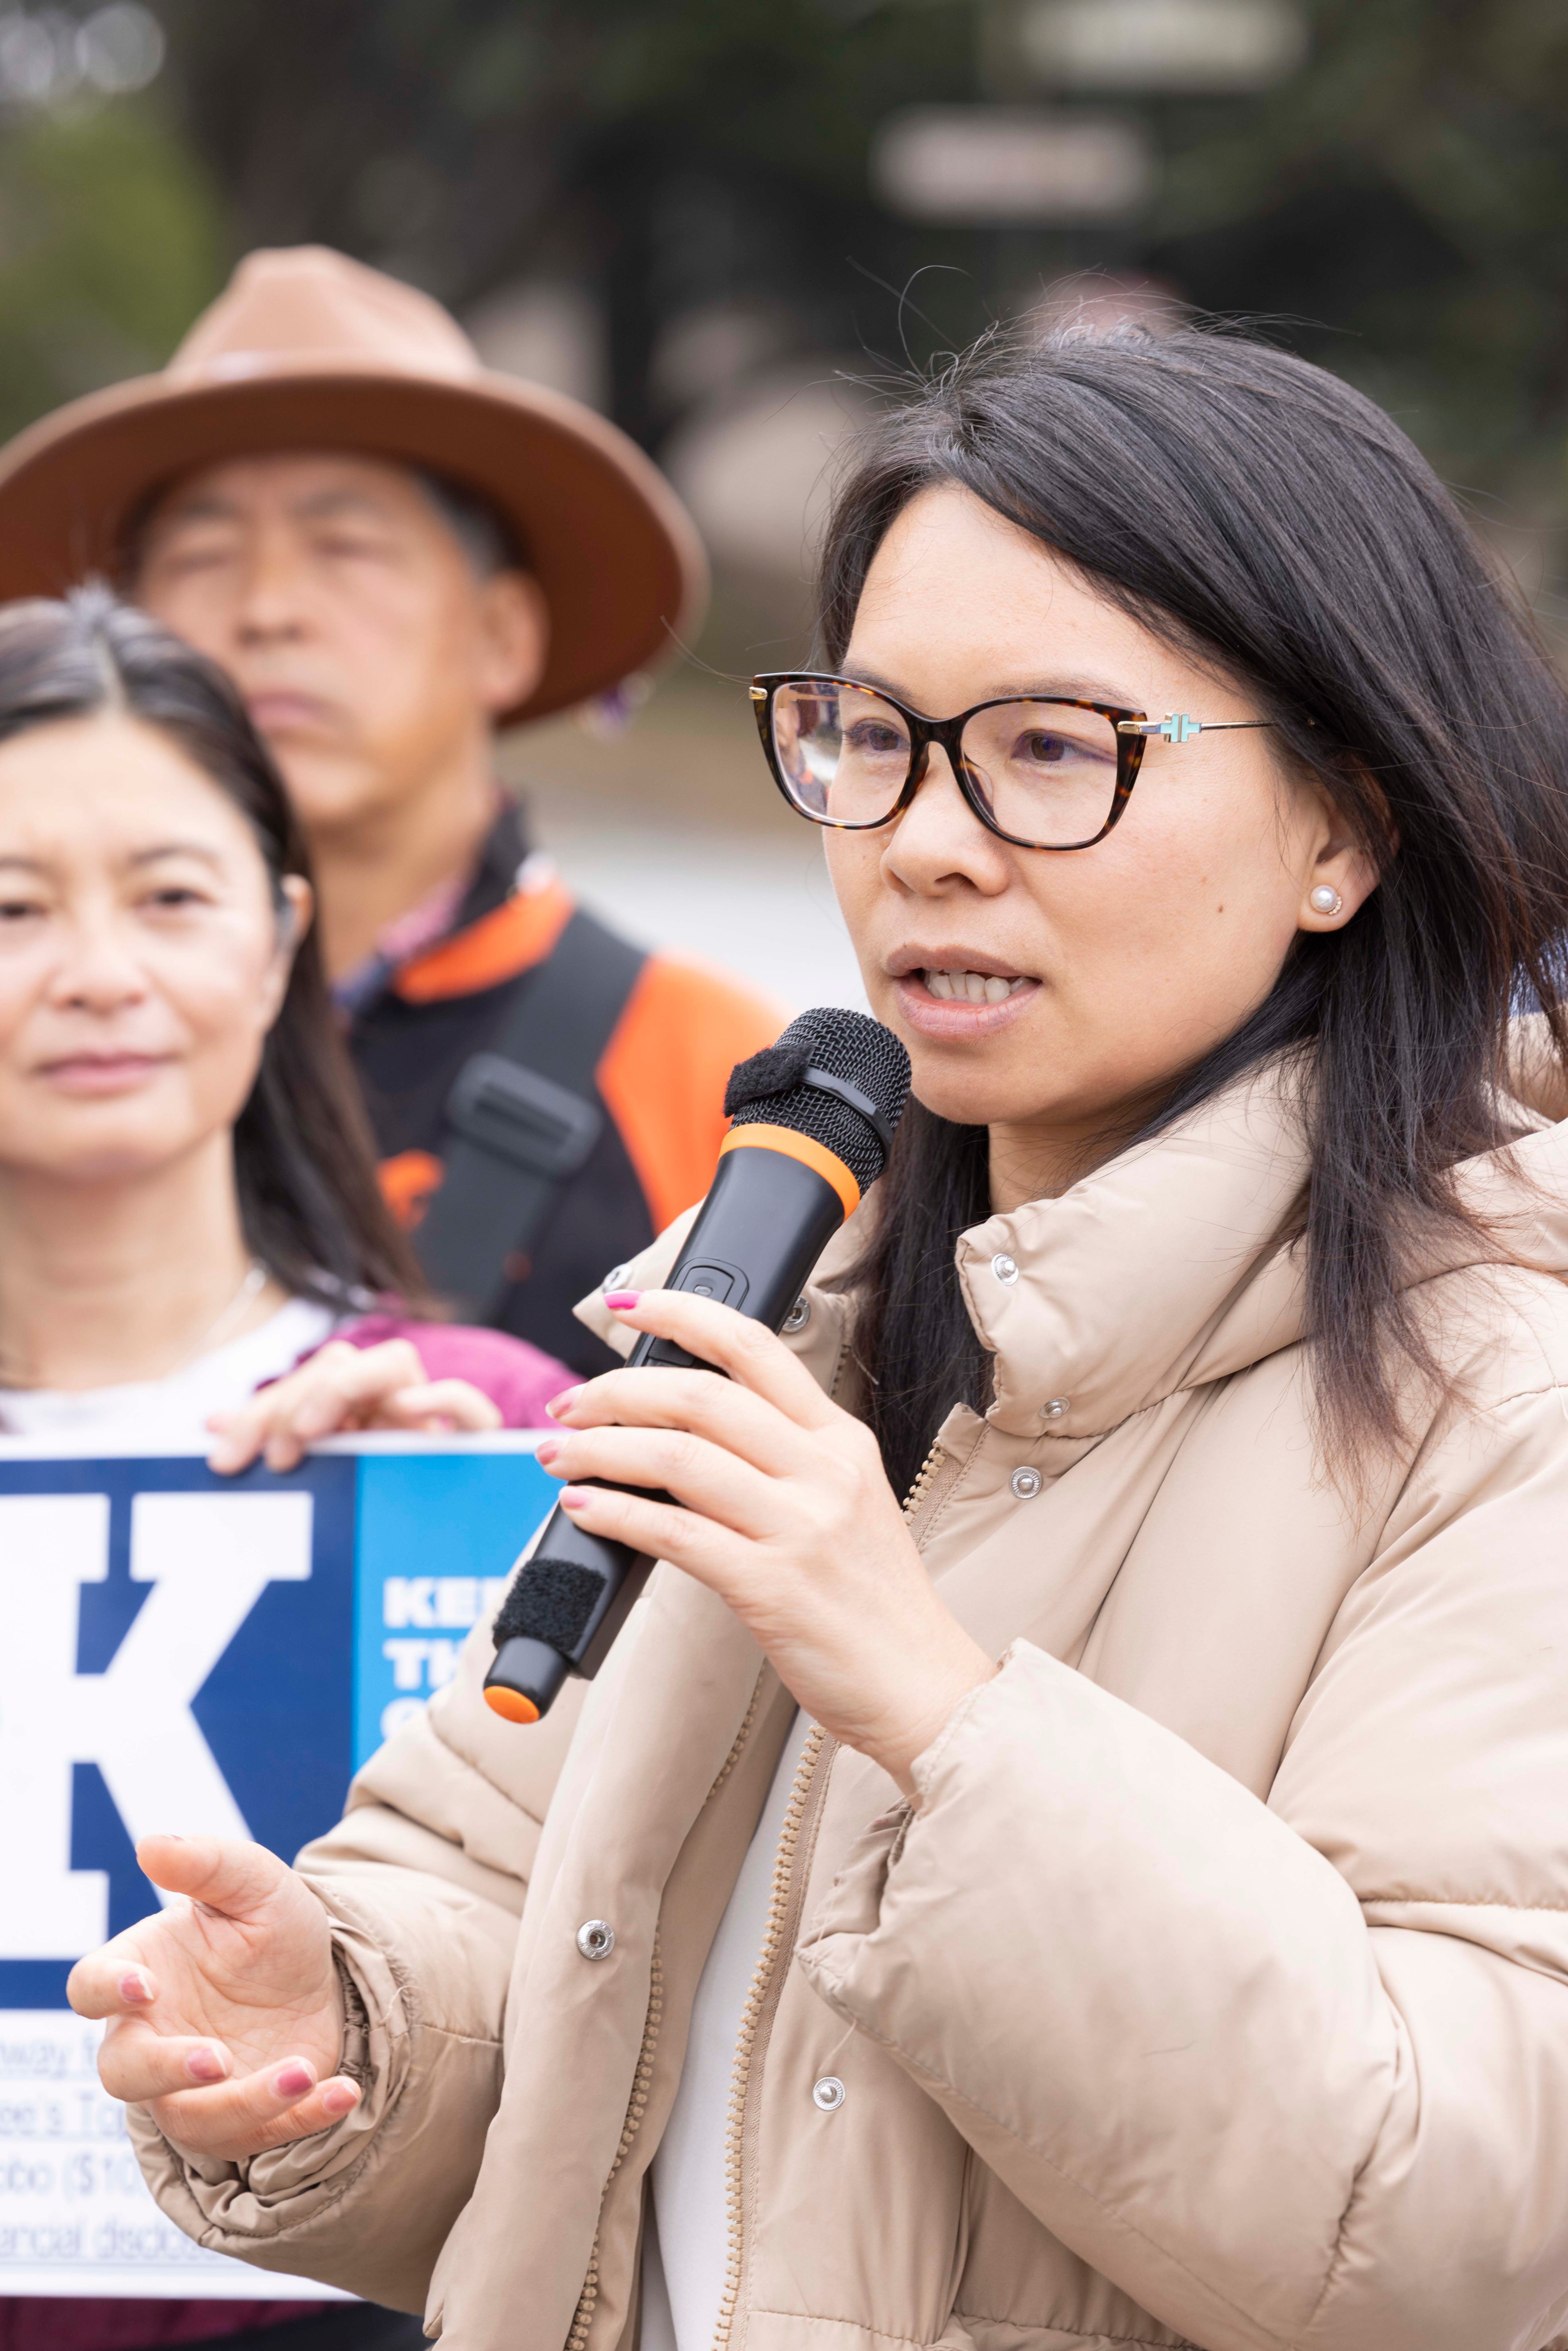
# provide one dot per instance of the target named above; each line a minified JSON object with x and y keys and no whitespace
{"x":659,"y":1082}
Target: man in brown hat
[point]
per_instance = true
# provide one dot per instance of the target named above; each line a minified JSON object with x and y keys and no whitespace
{"x":394,"y":553}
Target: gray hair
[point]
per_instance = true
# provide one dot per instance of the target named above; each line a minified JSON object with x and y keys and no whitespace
{"x":481,"y":530}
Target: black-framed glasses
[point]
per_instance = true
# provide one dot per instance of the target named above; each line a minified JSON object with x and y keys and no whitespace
{"x":1045,"y":772}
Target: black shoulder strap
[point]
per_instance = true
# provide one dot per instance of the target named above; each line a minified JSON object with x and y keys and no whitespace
{"x":522,"y":1114}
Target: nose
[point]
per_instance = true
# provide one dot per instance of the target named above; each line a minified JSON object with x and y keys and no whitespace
{"x":939,"y":839}
{"x":271,"y":607}
{"x":97,"y":973}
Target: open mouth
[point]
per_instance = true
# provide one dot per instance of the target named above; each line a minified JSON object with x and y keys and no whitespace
{"x":971,"y":987}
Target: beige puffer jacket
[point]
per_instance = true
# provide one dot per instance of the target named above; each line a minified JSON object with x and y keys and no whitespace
{"x":1217,"y":1993}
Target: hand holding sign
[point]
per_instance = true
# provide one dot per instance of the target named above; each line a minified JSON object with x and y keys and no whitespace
{"x":224,"y":2010}
{"x":339,"y":1387}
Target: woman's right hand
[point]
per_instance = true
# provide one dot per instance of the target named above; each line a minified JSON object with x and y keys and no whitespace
{"x":224,"y":2014}
{"x":341,"y":1386}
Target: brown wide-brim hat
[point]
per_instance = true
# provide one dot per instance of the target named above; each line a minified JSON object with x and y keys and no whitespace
{"x":307,"y":349}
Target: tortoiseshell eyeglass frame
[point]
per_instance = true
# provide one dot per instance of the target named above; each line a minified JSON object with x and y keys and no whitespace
{"x":1133,"y":728}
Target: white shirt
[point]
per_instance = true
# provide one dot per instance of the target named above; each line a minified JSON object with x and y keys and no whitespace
{"x":171,"y":1410}
{"x":686,"y":2241}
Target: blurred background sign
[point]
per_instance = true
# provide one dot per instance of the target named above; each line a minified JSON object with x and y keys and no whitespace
{"x":735,"y":227}
{"x":994,"y":164}
{"x":1170,"y":45}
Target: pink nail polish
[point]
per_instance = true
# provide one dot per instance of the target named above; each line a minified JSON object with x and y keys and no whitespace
{"x":576,"y":1498}
{"x":292,"y":2081}
{"x":559,"y":1404}
{"x":339,"y":2098}
{"x":205,"y":2065}
{"x":621,"y":1301}
{"x":133,"y":1985}
{"x":546,"y":1453}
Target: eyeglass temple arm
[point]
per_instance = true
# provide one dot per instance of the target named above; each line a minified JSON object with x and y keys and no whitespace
{"x":1180,"y":728}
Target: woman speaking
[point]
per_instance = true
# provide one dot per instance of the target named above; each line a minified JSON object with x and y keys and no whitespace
{"x":1119,"y":1896}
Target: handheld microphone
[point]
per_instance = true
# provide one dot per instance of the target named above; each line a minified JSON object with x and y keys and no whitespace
{"x":812,"y":1120}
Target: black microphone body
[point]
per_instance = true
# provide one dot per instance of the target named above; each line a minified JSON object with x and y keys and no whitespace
{"x":761,"y":1229}
{"x":778,"y":1197}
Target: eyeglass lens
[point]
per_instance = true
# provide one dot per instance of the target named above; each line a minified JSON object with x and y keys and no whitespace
{"x":1044,"y":771}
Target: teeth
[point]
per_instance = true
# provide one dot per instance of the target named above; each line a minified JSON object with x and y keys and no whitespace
{"x":971,"y":987}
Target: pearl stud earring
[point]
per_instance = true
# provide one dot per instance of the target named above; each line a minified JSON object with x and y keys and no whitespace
{"x":1324,"y":901}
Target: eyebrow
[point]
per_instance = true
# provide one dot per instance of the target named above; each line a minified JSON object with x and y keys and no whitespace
{"x":1060,"y":690}
{"x":207,"y":507}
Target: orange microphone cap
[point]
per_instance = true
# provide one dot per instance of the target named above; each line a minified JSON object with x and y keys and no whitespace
{"x":509,"y":1703}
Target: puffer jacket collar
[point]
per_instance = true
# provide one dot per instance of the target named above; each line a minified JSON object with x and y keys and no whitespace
{"x":1091,"y":1302}
{"x":1084,"y":1302}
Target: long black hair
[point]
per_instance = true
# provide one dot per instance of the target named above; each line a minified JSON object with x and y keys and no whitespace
{"x":1256,"y":511}
{"x":309,"y":1203}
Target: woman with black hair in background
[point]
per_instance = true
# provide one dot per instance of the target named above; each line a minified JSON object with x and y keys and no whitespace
{"x":193,"y":1247}
{"x":1121,"y":1898}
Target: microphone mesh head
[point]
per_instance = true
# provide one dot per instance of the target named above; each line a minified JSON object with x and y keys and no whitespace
{"x":848,"y":1045}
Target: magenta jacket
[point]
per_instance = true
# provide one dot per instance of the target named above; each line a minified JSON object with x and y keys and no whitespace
{"x":520,"y":1381}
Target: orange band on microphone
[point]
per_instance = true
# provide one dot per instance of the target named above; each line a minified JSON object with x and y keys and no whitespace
{"x":814,"y":1155}
{"x":509,"y":1703}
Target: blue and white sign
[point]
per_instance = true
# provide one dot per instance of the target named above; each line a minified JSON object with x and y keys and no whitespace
{"x":213,"y":1656}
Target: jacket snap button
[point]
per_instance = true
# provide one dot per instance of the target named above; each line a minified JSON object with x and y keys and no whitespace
{"x":1056,"y":1409}
{"x":596,"y":1939}
{"x":828,"y":2093}
{"x":1026,"y":1484}
{"x":615,"y":1279}
{"x":800,"y":1314}
{"x":1005,"y":1269}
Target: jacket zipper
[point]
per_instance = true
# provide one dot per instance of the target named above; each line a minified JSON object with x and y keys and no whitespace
{"x":637,"y":2104}
{"x":762,"y":1978}
{"x":927,"y":1470}
{"x":751,"y":2017}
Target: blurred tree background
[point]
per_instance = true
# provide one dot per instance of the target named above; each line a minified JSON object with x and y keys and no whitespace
{"x":672,"y":209}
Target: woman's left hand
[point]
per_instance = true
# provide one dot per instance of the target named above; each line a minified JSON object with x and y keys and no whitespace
{"x":344,"y":1387}
{"x":787,"y":1516}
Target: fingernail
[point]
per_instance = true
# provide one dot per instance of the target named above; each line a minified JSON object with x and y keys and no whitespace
{"x":134,"y":1985}
{"x":558,"y":1404}
{"x":545,"y":1453}
{"x":620,"y":1302}
{"x":292,"y":2081}
{"x":339,"y":2097}
{"x":205,"y":2065}
{"x":576,"y":1498}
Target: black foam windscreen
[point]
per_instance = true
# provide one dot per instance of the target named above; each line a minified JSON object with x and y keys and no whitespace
{"x":551,"y":1600}
{"x":775,"y":1087}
